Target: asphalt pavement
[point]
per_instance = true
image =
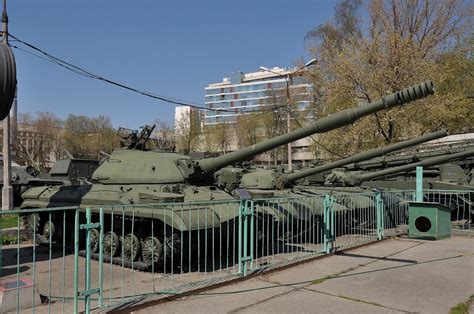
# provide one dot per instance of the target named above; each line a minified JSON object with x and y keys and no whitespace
{"x":393,"y":276}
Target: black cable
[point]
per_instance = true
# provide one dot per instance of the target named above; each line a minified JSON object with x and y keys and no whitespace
{"x":80,"y":71}
{"x":91,"y":75}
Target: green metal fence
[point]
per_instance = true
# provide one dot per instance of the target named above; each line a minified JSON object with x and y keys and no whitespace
{"x":71,"y":259}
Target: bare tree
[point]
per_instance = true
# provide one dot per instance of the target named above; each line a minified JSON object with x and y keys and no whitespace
{"x":187,"y":130}
{"x":42,"y":144}
{"x":163,"y":136}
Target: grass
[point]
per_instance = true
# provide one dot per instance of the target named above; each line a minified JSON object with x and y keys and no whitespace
{"x":8,"y":221}
{"x":462,"y":308}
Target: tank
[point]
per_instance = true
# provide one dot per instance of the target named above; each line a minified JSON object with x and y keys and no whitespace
{"x":459,"y":200}
{"x":274,"y":183}
{"x":23,"y":178}
{"x":133,"y":175}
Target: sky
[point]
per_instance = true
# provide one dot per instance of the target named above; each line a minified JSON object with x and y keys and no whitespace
{"x":171,"y":48}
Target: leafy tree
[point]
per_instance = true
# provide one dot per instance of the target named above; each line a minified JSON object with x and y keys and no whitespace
{"x":401,"y":43}
{"x":85,"y":137}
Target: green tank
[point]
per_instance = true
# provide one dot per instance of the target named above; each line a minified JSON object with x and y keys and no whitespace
{"x":133,"y":176}
{"x":273,"y":183}
{"x":456,"y":194}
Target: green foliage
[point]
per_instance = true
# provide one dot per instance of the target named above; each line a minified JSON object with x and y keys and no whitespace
{"x":404,"y":42}
{"x":7,"y":239}
{"x":464,"y":307}
{"x":8,"y":221}
{"x":86,"y":137}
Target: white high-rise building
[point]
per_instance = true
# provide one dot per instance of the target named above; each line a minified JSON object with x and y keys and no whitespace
{"x":245,"y":93}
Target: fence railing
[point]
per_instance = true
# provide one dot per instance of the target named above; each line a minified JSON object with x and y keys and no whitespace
{"x":71,"y":259}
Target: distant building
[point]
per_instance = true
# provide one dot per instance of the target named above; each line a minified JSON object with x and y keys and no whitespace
{"x":187,"y":127}
{"x":28,"y":139}
{"x":245,"y":93}
{"x":185,"y":118}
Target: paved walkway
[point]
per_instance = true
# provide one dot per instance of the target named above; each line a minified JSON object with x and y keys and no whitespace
{"x":393,"y":276}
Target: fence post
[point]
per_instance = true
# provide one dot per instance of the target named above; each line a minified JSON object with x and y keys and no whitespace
{"x":419,"y":184}
{"x":101,"y":256}
{"x":328,"y":219}
{"x":244,"y":214}
{"x":87,"y":300}
{"x":88,"y":226}
{"x":76,"y":259}
{"x":380,"y":215}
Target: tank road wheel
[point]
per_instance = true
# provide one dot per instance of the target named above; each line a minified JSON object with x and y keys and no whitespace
{"x":111,"y":244}
{"x":49,"y":230}
{"x":31,"y":223}
{"x":94,"y":240}
{"x":131,"y":247}
{"x":152,"y":251}
{"x":173,"y":245}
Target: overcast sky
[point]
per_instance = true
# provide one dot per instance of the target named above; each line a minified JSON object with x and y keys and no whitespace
{"x":172,"y":48}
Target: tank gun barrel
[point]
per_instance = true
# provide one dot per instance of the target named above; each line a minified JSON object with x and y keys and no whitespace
{"x":425,"y":163}
{"x":377,"y":152}
{"x":325,"y":124}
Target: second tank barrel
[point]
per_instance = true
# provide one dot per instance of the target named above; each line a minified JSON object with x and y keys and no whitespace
{"x":425,"y":163}
{"x":377,"y":152}
{"x":325,"y":124}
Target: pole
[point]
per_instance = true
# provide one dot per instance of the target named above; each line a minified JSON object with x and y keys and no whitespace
{"x":7,"y":190}
{"x":14,"y":121}
{"x":288,"y":122}
{"x":419,"y":184}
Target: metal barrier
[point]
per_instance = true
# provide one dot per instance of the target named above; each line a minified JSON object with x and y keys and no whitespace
{"x":71,"y":259}
{"x":461,"y":203}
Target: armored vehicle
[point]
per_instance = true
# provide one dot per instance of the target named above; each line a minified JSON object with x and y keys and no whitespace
{"x":460,"y":199}
{"x":134,"y":176}
{"x":267,"y":183}
{"x":24,"y":177}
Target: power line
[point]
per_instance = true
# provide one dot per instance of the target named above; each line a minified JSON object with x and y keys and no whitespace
{"x":80,"y":71}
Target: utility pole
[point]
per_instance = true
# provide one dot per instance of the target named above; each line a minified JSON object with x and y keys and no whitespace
{"x":288,"y":115}
{"x":7,"y":190}
{"x":288,"y":122}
